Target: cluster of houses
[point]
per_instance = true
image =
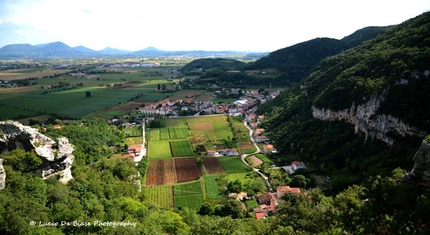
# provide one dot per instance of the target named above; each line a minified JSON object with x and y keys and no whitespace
{"x":7,"y":84}
{"x":258,"y":133}
{"x":240,"y":107}
{"x":134,"y":65}
{"x":224,"y":152}
{"x":268,"y":202}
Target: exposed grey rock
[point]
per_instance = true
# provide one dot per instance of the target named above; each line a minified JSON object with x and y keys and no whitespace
{"x":2,"y":175}
{"x":421,"y":168}
{"x":56,"y":156}
{"x":365,"y":119}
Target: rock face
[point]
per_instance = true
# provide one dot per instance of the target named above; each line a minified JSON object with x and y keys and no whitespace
{"x":2,"y":175}
{"x":421,"y":168}
{"x":56,"y":156}
{"x":365,"y":119}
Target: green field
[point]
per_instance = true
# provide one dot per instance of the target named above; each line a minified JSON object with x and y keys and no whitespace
{"x":176,"y":122}
{"x":154,"y":134}
{"x":263,"y":158}
{"x":14,"y":112}
{"x":159,"y":195}
{"x":159,"y":149}
{"x":211,"y":135}
{"x":70,"y":100}
{"x":233,"y":165}
{"x":188,"y":195}
{"x":206,"y":119}
{"x":181,"y":148}
{"x":222,"y":130}
{"x":179,"y":133}
{"x":164,"y":134}
{"x":211,"y":187}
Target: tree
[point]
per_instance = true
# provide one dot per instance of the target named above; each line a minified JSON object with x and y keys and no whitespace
{"x":235,"y":186}
{"x":299,"y":181}
{"x":88,"y":94}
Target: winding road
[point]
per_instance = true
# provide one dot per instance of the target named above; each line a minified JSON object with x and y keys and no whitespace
{"x":243,"y":156}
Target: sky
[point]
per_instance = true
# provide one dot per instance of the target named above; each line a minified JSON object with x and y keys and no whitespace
{"x":238,"y":25}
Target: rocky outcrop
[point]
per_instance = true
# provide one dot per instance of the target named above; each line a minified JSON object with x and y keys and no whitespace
{"x":56,"y":156}
{"x":366,"y":119}
{"x":421,"y":168}
{"x":2,"y":175}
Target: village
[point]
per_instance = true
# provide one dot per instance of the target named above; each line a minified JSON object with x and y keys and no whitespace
{"x":245,"y":106}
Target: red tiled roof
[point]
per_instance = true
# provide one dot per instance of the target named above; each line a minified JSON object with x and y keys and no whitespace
{"x":259,"y":215}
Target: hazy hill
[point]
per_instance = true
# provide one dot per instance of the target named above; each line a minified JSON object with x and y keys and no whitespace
{"x":112,"y":51}
{"x":58,"y":49}
{"x":84,"y":49}
{"x":17,"y":50}
{"x":362,"y":112}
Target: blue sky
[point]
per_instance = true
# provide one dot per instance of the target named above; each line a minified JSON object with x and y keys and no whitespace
{"x":241,"y":25}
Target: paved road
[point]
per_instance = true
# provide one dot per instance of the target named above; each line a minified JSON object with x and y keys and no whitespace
{"x":243,"y":156}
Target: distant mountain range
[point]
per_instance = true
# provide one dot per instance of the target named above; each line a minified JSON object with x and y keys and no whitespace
{"x":61,"y":50}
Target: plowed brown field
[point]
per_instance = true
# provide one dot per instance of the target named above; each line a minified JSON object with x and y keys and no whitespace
{"x":187,"y":169}
{"x":212,"y":165}
{"x":160,"y":172}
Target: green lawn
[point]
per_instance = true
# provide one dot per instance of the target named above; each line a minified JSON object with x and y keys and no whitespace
{"x":233,"y":165}
{"x":251,"y":204}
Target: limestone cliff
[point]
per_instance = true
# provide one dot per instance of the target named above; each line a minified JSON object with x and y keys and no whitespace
{"x":56,"y":156}
{"x":366,"y":119}
{"x":2,"y":175}
{"x":421,"y":168}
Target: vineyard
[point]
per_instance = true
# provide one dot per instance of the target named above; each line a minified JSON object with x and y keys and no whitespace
{"x":159,"y":195}
{"x":185,"y":181}
{"x":212,"y":187}
{"x":188,"y":195}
